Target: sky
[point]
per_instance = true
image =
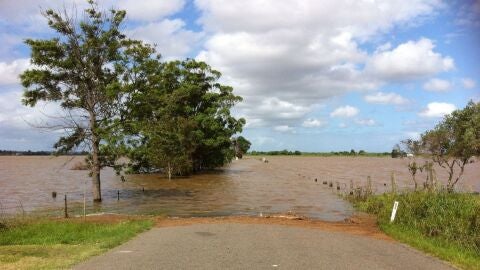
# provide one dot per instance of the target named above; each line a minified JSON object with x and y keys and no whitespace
{"x":315,"y":75}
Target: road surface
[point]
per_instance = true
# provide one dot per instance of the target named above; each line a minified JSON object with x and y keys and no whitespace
{"x":257,"y":246}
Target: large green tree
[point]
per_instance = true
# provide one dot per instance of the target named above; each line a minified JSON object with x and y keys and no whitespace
{"x":181,"y":120}
{"x":82,"y":69}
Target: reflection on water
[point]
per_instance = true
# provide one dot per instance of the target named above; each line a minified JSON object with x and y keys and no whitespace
{"x":245,"y":187}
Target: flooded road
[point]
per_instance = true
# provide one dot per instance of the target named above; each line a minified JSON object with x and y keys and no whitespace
{"x":245,"y":187}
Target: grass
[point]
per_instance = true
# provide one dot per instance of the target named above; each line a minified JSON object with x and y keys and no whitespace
{"x":58,"y":244}
{"x":446,"y":225}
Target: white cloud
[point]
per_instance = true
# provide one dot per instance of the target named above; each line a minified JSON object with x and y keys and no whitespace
{"x":386,"y":98}
{"x":16,"y":116}
{"x":366,"y":122}
{"x":362,"y":17}
{"x":468,"y":83}
{"x":283,"y":48}
{"x":410,"y":60}
{"x":9,"y":72}
{"x":345,"y":111}
{"x":437,"y":109}
{"x":136,"y":10}
{"x":437,"y":85}
{"x":150,"y":10}
{"x":342,"y":125}
{"x":272,"y":111}
{"x":283,"y":128}
{"x":262,"y":140}
{"x":312,"y":122}
{"x":170,"y":36}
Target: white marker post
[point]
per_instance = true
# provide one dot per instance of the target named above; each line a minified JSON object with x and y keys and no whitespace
{"x":394,"y":211}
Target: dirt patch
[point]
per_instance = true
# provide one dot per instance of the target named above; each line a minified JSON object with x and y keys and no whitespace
{"x":362,"y":224}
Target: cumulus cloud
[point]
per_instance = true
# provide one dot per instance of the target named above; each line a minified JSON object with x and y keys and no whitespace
{"x":312,"y":122}
{"x":263,"y":140}
{"x":410,"y":60}
{"x":136,"y":10}
{"x":283,"y":48}
{"x":345,"y":111}
{"x":9,"y":72}
{"x":365,"y":122}
{"x":283,"y":128}
{"x":150,"y":10}
{"x":368,"y":16}
{"x":386,"y":98}
{"x":14,"y":115}
{"x":17,"y":121}
{"x":469,"y":14}
{"x":437,"y":109}
{"x":170,"y":36}
{"x":437,"y":85}
{"x":272,"y":111}
{"x":468,"y":83}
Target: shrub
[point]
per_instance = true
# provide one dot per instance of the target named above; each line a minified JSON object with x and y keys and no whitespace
{"x":453,"y":217}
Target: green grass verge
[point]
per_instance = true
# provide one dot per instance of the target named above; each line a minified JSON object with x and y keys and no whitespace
{"x":49,"y":244}
{"x":446,"y":225}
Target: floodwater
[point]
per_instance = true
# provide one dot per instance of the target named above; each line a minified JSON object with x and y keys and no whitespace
{"x":245,"y":187}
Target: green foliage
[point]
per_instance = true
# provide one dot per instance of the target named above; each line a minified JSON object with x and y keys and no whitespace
{"x":319,"y":154}
{"x":453,"y":142}
{"x":444,"y":249}
{"x":241,"y":146}
{"x":180,"y":121}
{"x":77,"y":70}
{"x":444,"y":224}
{"x":84,"y":70}
{"x":397,"y":152}
{"x":121,"y":100}
{"x":284,"y":152}
{"x":452,"y":217}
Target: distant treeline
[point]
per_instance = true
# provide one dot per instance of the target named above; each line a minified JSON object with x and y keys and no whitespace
{"x":36,"y":153}
{"x":323,"y":154}
{"x":276,"y":153}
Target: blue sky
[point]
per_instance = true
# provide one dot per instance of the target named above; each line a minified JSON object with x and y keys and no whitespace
{"x":315,"y":75}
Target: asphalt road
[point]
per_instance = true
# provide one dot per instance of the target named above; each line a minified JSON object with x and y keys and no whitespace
{"x":254,"y":246}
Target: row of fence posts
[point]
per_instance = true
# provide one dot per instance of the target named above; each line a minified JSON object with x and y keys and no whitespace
{"x":369,"y":186}
{"x":54,"y":195}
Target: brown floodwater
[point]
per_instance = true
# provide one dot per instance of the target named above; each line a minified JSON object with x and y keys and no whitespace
{"x":245,"y":187}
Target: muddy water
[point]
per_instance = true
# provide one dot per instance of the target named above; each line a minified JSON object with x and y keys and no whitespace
{"x":245,"y":187}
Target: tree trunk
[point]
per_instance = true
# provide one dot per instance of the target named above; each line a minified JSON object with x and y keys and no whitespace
{"x":415,"y":181}
{"x":169,"y":171}
{"x":97,"y":193}
{"x":462,"y":169}
{"x":96,"y":189}
{"x":450,"y":185}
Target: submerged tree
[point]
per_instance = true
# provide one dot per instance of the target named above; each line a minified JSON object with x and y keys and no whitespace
{"x":81,"y":70}
{"x":182,"y":119}
{"x":414,"y":148}
{"x":454,"y":141}
{"x":451,"y":144}
{"x":241,"y":146}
